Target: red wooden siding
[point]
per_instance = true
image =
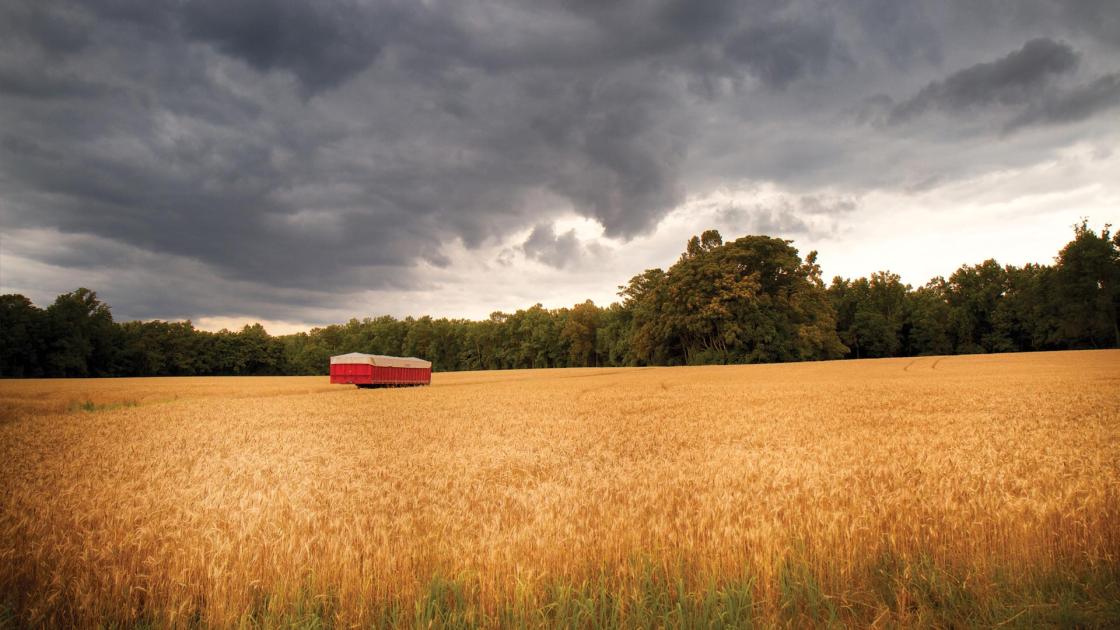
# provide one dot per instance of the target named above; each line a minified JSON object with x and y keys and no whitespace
{"x":365,"y":374}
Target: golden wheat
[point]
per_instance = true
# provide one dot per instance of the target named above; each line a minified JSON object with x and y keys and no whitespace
{"x":226,"y":501}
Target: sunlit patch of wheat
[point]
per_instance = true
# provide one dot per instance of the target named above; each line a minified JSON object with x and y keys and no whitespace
{"x":844,"y":485}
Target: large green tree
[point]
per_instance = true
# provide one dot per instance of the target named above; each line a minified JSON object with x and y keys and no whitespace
{"x":871,"y":313}
{"x":1088,"y":277}
{"x":80,"y":335}
{"x":580,"y":332}
{"x":749,"y":300}
{"x":973,"y":293}
{"x":22,"y":338}
{"x":927,"y":321}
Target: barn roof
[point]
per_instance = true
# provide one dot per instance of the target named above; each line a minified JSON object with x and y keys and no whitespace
{"x":380,"y":360}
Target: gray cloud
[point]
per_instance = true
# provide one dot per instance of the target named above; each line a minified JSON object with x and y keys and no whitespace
{"x":1012,"y":80}
{"x":1096,"y":17}
{"x":294,"y":148}
{"x":1072,"y":105}
{"x":781,"y":222}
{"x":546,"y":246}
{"x":321,"y":43}
{"x":781,"y":52}
{"x":826,"y":205}
{"x":36,"y":85}
{"x":46,"y":25}
{"x":807,"y":215}
{"x":904,"y":31}
{"x":140,"y":284}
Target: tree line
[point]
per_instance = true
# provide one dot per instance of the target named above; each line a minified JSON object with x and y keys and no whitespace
{"x":750,"y":300}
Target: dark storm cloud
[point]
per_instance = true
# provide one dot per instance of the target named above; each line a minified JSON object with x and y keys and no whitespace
{"x":902,"y":30}
{"x":141,"y":284}
{"x":546,"y":246}
{"x":782,"y":52}
{"x":52,"y":27}
{"x":321,"y":43}
{"x":315,"y":148}
{"x":1012,"y":80}
{"x":1073,"y":105}
{"x":1096,"y":17}
{"x":22,"y":83}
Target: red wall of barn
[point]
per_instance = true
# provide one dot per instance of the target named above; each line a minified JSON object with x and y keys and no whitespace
{"x":365,"y":374}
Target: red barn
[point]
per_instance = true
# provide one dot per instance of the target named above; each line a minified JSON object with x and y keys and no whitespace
{"x":371,"y":370}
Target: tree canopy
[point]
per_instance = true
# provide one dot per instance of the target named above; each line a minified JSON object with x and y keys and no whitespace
{"x":750,"y":300}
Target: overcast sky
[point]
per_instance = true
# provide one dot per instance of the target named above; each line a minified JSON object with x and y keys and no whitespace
{"x":301,"y":162}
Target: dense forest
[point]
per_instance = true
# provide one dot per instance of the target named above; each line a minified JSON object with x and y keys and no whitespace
{"x":750,"y":300}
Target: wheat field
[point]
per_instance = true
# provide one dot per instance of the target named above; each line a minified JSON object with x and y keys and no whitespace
{"x":939,"y":491}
